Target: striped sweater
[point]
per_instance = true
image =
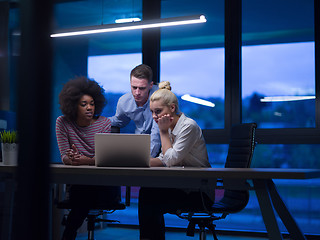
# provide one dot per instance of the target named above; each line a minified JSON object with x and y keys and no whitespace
{"x":69,"y":133}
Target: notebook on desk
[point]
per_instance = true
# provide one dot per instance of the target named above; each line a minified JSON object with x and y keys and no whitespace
{"x":122,"y":150}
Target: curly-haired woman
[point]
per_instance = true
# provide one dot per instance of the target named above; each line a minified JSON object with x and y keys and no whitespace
{"x":81,"y":102}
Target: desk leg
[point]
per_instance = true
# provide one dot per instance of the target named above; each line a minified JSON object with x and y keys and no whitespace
{"x":8,"y":209}
{"x":266,"y":208}
{"x":284,"y":213}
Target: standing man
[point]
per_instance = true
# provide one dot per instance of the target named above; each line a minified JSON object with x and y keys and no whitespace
{"x":135,"y":106}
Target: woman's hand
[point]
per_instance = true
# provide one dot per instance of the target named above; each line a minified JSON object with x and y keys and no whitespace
{"x":74,"y":157}
{"x":164,"y":122}
{"x":72,"y":152}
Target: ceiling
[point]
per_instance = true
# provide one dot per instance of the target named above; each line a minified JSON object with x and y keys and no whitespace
{"x":263,"y":22}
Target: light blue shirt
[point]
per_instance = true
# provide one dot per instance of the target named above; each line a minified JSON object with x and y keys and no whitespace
{"x":128,"y":110}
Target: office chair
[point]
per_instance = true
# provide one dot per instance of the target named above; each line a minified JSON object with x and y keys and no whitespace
{"x":97,"y":210}
{"x":95,"y":214}
{"x":240,"y":152}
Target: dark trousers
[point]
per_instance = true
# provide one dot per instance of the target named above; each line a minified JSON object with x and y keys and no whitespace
{"x":83,"y":198}
{"x":155,"y":202}
{"x":75,"y":219}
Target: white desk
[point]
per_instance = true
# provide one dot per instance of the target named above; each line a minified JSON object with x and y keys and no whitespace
{"x":269,"y":200}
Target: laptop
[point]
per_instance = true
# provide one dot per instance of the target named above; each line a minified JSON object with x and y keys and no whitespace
{"x":122,"y":150}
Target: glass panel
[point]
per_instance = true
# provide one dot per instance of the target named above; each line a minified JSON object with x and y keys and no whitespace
{"x":197,"y":75}
{"x":286,"y":156}
{"x":94,"y":12}
{"x":301,"y":196}
{"x":274,"y":21}
{"x":115,"y":78}
{"x":279,"y":85}
{"x":278,"y":75}
{"x":199,"y":71}
{"x":217,"y":154}
{"x":209,"y":34}
{"x":89,"y":13}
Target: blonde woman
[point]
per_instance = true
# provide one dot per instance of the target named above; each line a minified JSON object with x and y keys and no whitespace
{"x":182,"y":145}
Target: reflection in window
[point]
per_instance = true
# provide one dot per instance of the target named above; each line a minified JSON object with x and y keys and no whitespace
{"x":286,"y":156}
{"x":301,"y":196}
{"x":278,"y":85}
{"x":217,"y":154}
{"x":198,"y":74}
{"x":114,"y":77}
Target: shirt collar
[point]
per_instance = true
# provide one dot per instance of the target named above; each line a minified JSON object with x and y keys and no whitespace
{"x":178,"y":126}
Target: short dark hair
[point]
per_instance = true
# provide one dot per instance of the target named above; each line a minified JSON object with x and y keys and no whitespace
{"x":74,"y":89}
{"x":142,"y":71}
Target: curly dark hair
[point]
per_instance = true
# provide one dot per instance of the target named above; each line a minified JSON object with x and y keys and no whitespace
{"x":74,"y":89}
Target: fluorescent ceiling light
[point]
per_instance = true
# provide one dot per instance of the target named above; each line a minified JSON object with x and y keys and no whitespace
{"x":16,"y":33}
{"x":286,"y":98}
{"x":127,"y":20}
{"x":188,"y":98}
{"x":145,"y":24}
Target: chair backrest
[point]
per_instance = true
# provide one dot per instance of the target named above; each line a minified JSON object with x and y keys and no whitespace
{"x":241,"y":145}
{"x":115,"y":129}
{"x":240,"y":152}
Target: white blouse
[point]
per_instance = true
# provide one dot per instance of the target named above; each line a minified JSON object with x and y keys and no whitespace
{"x":188,"y":145}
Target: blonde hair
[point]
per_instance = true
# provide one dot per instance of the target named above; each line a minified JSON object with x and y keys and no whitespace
{"x":165,"y":85}
{"x":165,"y":95}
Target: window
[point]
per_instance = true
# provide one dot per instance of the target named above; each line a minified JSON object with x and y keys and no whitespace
{"x":115,"y":79}
{"x":112,"y":76}
{"x":197,"y":78}
{"x":278,"y":85}
{"x":278,"y":92}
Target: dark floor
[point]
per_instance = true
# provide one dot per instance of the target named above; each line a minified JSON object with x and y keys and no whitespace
{"x":131,"y":233}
